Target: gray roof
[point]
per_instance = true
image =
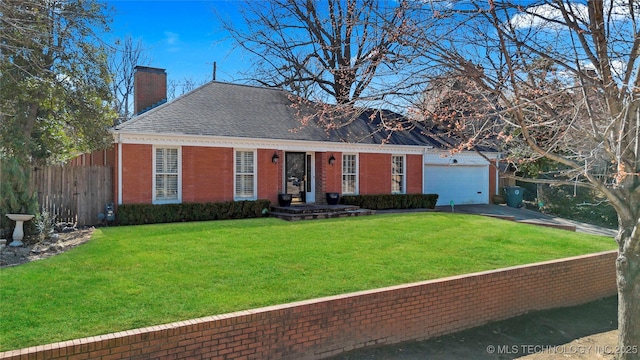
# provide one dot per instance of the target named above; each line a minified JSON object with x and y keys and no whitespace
{"x":234,"y":110}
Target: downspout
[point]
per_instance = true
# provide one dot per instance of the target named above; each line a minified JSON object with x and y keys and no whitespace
{"x":498,"y":174}
{"x":119,"y":169}
{"x":424,"y":160}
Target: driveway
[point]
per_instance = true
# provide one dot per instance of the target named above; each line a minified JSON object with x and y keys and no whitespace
{"x":529,"y":216}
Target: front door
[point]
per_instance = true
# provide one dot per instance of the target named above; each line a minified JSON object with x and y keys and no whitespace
{"x":299,"y":176}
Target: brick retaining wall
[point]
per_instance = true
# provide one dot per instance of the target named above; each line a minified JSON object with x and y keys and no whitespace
{"x":328,"y":326}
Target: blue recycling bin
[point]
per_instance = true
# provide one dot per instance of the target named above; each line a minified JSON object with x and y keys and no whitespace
{"x":514,"y":196}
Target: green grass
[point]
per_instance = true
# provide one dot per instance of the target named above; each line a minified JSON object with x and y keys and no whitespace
{"x":129,"y":277}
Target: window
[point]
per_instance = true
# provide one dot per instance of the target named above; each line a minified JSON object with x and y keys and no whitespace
{"x":167,"y":175}
{"x":245,"y":175}
{"x":349,"y":174}
{"x":397,"y":174}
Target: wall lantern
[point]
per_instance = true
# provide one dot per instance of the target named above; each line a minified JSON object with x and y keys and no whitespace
{"x":332,"y":160}
{"x":275,"y":158}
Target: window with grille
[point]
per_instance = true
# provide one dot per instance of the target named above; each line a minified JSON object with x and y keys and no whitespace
{"x":397,"y":174}
{"x":349,"y":174}
{"x":167,"y":177}
{"x":245,"y":175}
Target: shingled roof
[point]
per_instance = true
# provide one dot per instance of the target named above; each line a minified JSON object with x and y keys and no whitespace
{"x":234,"y":110}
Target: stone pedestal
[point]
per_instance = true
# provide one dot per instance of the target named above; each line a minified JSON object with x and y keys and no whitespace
{"x":18,"y":232}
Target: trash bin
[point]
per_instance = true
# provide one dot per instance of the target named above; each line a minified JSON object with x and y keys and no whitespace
{"x":514,"y":196}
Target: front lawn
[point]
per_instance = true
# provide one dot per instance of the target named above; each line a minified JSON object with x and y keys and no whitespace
{"x":136,"y":276}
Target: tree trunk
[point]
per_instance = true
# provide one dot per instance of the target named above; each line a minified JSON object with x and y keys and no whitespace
{"x":628,"y":272}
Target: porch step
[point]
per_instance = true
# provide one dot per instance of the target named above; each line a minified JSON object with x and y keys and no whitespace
{"x":311,"y":212}
{"x":312,"y":208}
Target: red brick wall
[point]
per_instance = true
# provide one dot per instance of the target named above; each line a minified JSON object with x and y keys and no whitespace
{"x":415,"y":171}
{"x":207,"y":174}
{"x":319,"y":328}
{"x":374,"y":174}
{"x":269,"y":176}
{"x":137,"y":174}
{"x":334,"y":173}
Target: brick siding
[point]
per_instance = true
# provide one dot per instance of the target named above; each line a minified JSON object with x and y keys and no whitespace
{"x":374,"y":174}
{"x":137,"y":174}
{"x":415,"y":170}
{"x":269,"y":176}
{"x":207,"y":174}
{"x":319,"y":328}
{"x":333,"y":176}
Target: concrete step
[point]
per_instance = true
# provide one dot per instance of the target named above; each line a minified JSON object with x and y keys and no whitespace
{"x":321,"y":215}
{"x":312,"y":209}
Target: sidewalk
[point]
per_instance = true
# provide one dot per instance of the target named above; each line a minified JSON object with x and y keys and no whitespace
{"x":552,"y":331}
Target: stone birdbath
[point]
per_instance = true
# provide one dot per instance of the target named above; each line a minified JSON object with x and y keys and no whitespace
{"x":18,"y":232}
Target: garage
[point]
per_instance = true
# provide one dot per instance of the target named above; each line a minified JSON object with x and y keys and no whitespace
{"x":463,"y":182}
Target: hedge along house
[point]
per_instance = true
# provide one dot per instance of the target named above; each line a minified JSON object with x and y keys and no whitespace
{"x":223,"y":142}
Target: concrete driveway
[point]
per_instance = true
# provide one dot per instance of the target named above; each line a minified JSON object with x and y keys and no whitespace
{"x":527,"y":216}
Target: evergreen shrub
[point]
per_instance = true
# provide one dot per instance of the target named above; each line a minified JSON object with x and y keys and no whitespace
{"x":137,"y":214}
{"x":391,"y":201}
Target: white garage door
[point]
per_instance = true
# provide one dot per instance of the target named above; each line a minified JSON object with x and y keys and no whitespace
{"x":461,"y":184}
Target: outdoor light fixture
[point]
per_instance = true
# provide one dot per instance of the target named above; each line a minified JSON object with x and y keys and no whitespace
{"x":275,"y":158}
{"x":332,"y":160}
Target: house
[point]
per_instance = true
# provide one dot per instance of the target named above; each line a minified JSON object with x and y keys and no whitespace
{"x":224,"y":141}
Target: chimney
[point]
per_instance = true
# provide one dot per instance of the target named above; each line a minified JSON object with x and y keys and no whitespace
{"x":149,"y":88}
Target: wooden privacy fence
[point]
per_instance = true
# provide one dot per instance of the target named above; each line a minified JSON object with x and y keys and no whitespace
{"x":74,"y":194}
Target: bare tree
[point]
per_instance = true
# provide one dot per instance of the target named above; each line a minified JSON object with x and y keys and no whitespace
{"x":344,"y":52}
{"x":172,"y":87}
{"x":554,"y":79}
{"x":177,"y":88}
{"x":124,"y":57}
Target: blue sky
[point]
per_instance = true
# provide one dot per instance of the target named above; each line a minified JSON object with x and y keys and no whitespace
{"x":184,"y":37}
